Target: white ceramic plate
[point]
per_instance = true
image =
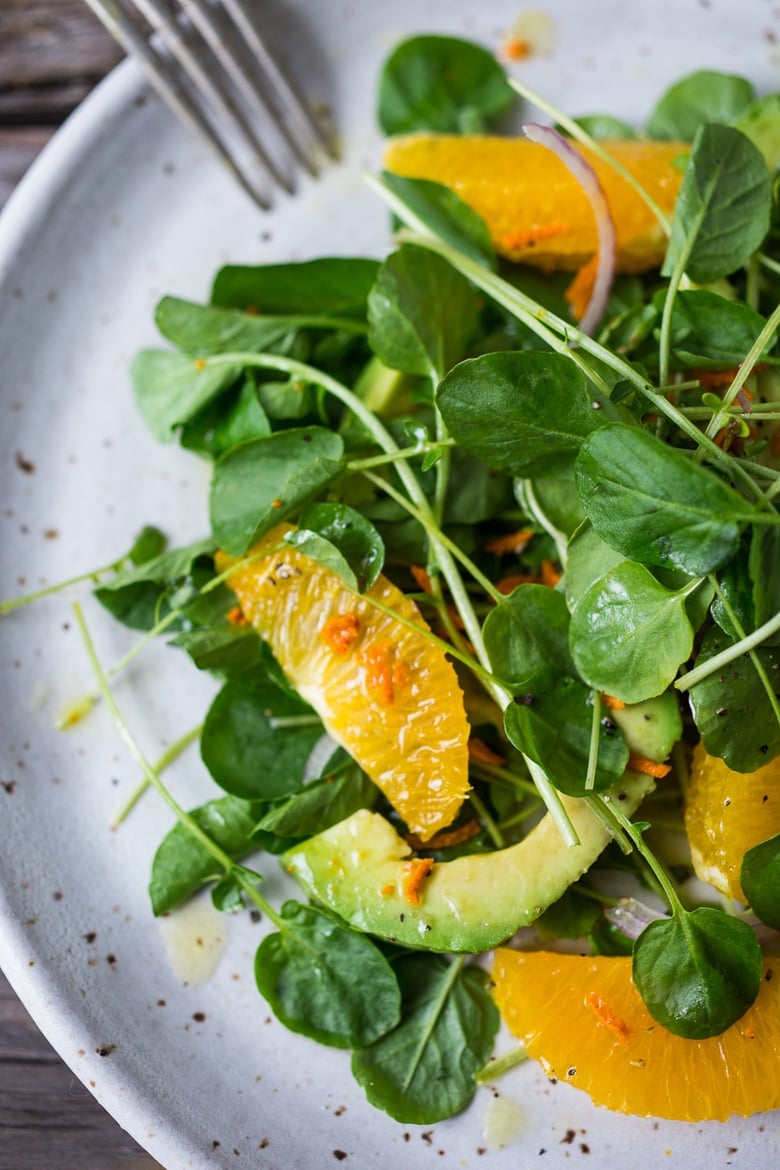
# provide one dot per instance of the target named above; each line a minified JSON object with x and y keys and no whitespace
{"x":123,"y":207}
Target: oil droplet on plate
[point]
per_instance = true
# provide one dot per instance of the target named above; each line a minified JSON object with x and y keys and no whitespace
{"x":195,"y":937}
{"x":504,"y":1121}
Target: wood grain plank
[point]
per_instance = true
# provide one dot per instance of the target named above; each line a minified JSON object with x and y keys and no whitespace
{"x":52,"y":42}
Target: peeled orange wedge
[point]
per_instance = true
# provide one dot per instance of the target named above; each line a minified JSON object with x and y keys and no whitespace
{"x":727,"y":813}
{"x":537,"y":213}
{"x":583,"y":1019}
{"x":386,"y":692}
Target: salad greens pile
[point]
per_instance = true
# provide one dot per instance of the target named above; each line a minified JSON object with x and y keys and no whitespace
{"x":420,"y":413}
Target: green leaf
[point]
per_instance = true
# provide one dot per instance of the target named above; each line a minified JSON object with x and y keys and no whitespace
{"x":321,"y":804}
{"x":723,"y":210}
{"x":526,"y":637}
{"x":703,"y":96}
{"x":764,"y":568}
{"x":140,"y":596}
{"x":525,"y":413}
{"x":731,"y":708}
{"x":709,"y":332}
{"x":446,"y":215}
{"x":423,"y":1071}
{"x":604,"y":127}
{"x":421,"y":313}
{"x":329,"y":286}
{"x":553,"y":725}
{"x":574,"y":915}
{"x":651,"y":503}
{"x":325,"y":981}
{"x":171,"y":388}
{"x":225,"y":650}
{"x":204,"y":329}
{"x":629,"y":635}
{"x":698,"y":972}
{"x":736,"y":586}
{"x":258,"y":484}
{"x":760,"y":878}
{"x":760,"y":122}
{"x":236,"y":417}
{"x":182,"y":864}
{"x":149,"y":544}
{"x":443,"y":84}
{"x":343,"y":540}
{"x":247,"y":752}
{"x":588,"y":559}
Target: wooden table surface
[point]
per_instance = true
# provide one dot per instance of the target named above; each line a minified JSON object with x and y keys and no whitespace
{"x":52,"y":52}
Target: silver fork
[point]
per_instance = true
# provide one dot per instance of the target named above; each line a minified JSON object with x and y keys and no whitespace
{"x":208,"y":61}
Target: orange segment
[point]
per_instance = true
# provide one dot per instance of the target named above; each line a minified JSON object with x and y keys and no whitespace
{"x":385,"y":692}
{"x":726,"y":814}
{"x":536,"y":211}
{"x":583,"y":1019}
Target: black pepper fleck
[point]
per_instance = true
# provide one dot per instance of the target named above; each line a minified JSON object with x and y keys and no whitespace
{"x":339,"y":1155}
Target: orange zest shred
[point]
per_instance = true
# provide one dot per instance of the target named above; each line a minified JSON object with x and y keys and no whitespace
{"x":515,"y":49}
{"x":277,"y":503}
{"x":528,"y":237}
{"x":580,"y":290}
{"x":379,"y":671}
{"x":446,"y":838}
{"x":612,"y":703}
{"x":513,"y":542}
{"x":416,"y":872}
{"x":550,"y":573}
{"x":387,"y":890}
{"x":236,"y":617}
{"x":608,"y":1017}
{"x":714,"y":378}
{"x":509,"y":584}
{"x":642,"y":764}
{"x":340,"y":632}
{"x":422,"y":578}
{"x":480,"y":753}
{"x":200,"y":363}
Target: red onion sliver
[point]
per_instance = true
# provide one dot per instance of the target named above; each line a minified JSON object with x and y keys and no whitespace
{"x":631,"y":917}
{"x":587,"y":178}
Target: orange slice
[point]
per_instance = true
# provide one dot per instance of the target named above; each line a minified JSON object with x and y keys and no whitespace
{"x":583,"y":1019}
{"x":387,"y":693}
{"x":727,"y":813}
{"x":537,"y":213}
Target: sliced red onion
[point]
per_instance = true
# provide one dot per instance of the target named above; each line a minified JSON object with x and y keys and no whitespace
{"x":587,"y":178}
{"x":631,"y":916}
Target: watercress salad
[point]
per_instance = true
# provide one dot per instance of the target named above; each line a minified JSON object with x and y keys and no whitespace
{"x":607,"y":506}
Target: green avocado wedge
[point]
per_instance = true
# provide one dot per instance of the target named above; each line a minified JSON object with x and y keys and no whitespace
{"x":357,"y":868}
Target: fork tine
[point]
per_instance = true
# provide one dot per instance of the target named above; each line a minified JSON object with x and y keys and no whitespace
{"x":206,"y":80}
{"x":133,"y":40}
{"x":227,"y":44}
{"x":303,"y":128}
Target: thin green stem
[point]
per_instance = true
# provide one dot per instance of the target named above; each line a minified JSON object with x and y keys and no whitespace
{"x":402,"y":453}
{"x":552,"y":799}
{"x":487,"y":820}
{"x":166,"y":759}
{"x":651,"y":861}
{"x":729,"y":654}
{"x":492,"y":772}
{"x":501,"y":1064}
{"x":576,"y":131}
{"x":18,"y":602}
{"x":593,"y":749}
{"x":664,"y":342}
{"x":190,"y":824}
{"x":535,"y":509}
{"x":753,"y":355}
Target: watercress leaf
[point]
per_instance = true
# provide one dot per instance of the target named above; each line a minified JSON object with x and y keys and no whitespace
{"x":182,"y":864}
{"x":760,"y":880}
{"x":248,"y":747}
{"x":525,"y":412}
{"x":703,"y":96}
{"x":723,"y":209}
{"x":559,"y":502}
{"x":760,"y":121}
{"x":764,"y":568}
{"x":527,"y":636}
{"x":171,"y":388}
{"x":421,"y":313}
{"x":446,"y":215}
{"x":588,"y":558}
{"x":475,"y":492}
{"x":325,"y":981}
{"x":731,"y":708}
{"x":574,"y":915}
{"x":139,"y":596}
{"x":650,"y":502}
{"x":263,"y":482}
{"x":204,"y":329}
{"x":329,"y":286}
{"x":227,"y":895}
{"x":629,"y":635}
{"x":424,"y":1070}
{"x":225,"y":650}
{"x":443,"y":84}
{"x":709,"y":332}
{"x":697,"y":972}
{"x":149,"y":543}
{"x":321,"y":804}
{"x":736,"y":587}
{"x":312,"y":545}
{"x":605,"y":127}
{"x":349,"y":535}
{"x":554,"y":724}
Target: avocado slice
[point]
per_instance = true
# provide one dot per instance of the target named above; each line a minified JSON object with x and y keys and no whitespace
{"x":358,"y":868}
